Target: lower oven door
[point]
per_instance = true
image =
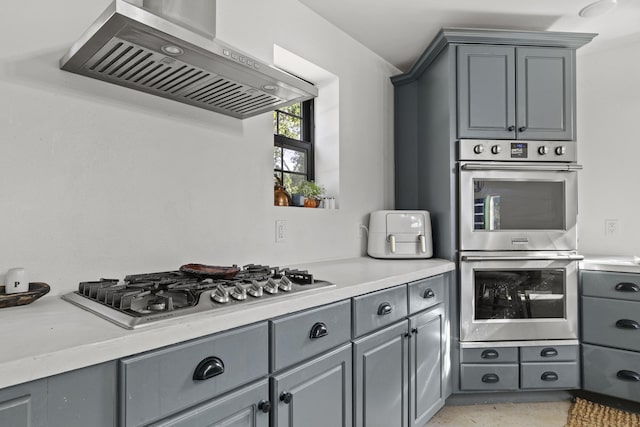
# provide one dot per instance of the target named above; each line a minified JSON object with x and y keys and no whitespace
{"x":523,"y":296}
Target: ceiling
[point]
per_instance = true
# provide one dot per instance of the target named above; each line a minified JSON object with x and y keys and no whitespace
{"x":400,"y":30}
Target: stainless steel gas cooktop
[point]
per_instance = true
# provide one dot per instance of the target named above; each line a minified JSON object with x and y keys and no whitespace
{"x":143,"y":299}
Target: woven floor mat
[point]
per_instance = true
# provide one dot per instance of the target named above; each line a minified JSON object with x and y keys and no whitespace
{"x":584,"y":413}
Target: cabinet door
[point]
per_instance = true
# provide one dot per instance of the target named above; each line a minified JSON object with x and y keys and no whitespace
{"x":242,"y":408}
{"x":316,"y":393}
{"x":381,"y":378}
{"x":24,"y":405}
{"x":486,"y":92}
{"x":545,"y":93}
{"x":426,"y":388}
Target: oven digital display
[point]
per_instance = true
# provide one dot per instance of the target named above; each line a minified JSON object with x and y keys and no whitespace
{"x":519,"y":150}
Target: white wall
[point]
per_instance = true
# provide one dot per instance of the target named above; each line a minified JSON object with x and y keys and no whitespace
{"x":609,"y":149}
{"x":102,"y":181}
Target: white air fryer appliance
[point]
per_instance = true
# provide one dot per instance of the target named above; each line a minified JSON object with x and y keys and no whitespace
{"x":400,"y":234}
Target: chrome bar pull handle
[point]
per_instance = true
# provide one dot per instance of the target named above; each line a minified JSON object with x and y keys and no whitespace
{"x":392,"y":243}
{"x":423,"y":243}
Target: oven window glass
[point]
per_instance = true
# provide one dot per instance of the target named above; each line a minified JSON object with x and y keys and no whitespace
{"x":518,"y":205}
{"x":519,"y":294}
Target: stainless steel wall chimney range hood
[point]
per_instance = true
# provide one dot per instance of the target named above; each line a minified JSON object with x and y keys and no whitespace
{"x":168,"y":48}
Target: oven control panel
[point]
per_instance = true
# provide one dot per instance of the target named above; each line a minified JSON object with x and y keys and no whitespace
{"x":517,"y":151}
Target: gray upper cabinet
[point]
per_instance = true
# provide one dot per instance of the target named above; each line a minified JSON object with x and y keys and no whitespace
{"x":315,"y":394}
{"x":507,"y":92}
{"x":486,"y":92}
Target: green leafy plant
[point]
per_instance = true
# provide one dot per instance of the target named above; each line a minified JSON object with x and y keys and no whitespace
{"x":310,"y":190}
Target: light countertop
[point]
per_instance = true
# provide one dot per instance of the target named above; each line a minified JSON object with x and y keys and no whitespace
{"x":52,"y":336}
{"x":621,"y":264}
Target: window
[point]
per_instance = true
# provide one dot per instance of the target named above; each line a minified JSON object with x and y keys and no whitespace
{"x":293,"y":144}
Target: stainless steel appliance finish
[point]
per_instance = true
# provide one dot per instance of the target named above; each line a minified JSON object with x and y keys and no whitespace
{"x":144,"y":299}
{"x":525,"y":201}
{"x":518,"y":296}
{"x":161,"y":49}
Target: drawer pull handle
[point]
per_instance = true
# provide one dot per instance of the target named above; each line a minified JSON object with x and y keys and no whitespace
{"x":627,"y":324}
{"x":489,"y":354}
{"x":429,"y":294}
{"x":384,"y":309}
{"x":264,"y":406}
{"x":628,"y":375}
{"x":548,"y":352}
{"x":318,"y":330}
{"x":286,"y":397}
{"x":490,"y":378}
{"x":208,"y":368}
{"x":627,"y":287}
{"x":549,"y":376}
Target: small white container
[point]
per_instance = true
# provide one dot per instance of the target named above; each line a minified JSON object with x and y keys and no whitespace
{"x":16,"y":281}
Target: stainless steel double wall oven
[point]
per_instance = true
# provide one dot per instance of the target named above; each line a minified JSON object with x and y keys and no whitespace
{"x":518,"y":240}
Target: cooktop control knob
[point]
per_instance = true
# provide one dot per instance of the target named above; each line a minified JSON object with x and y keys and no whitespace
{"x":255,"y":289}
{"x":560,"y":150}
{"x":285,"y":284}
{"x":239,"y":293}
{"x":496,"y":149}
{"x":220,"y":294}
{"x":478,"y":149}
{"x":543,"y":149}
{"x":271,"y":287}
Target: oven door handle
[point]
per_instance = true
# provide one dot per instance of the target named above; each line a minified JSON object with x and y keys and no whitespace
{"x":472,"y":258}
{"x":561,"y":167}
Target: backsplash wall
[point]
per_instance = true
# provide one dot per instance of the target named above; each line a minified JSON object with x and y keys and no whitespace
{"x":102,"y":181}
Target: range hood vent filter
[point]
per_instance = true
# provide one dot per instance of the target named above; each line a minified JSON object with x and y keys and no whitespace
{"x":132,"y":47}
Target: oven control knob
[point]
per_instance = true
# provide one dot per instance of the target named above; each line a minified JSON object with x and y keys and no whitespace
{"x":271,"y":287}
{"x":239,"y":293}
{"x":560,"y":150}
{"x":255,"y":289}
{"x":478,"y":149}
{"x":543,"y":149}
{"x":496,"y":149}
{"x":220,"y":294}
{"x":285,"y":284}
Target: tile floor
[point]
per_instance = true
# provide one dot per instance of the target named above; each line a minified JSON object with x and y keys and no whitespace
{"x":539,"y":414}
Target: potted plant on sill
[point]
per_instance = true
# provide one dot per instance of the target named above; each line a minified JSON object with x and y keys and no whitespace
{"x":312,"y":193}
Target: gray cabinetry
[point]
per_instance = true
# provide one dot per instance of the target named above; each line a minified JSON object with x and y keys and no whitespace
{"x":317,"y":393}
{"x":611,"y":333}
{"x":381,"y":378}
{"x":427,"y":391}
{"x":507,"y":92}
{"x":245,"y":407}
{"x":24,"y":405}
{"x":162,"y":382}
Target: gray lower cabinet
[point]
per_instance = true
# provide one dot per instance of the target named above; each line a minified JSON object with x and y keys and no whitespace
{"x":514,"y":92}
{"x":242,"y":408}
{"x":24,"y":405}
{"x":80,"y":398}
{"x":426,"y":365}
{"x":611,"y":333}
{"x":317,"y":393}
{"x":381,"y":377}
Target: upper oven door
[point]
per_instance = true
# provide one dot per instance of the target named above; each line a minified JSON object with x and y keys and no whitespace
{"x":518,"y":206}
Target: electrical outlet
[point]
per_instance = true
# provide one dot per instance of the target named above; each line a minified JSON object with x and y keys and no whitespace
{"x":611,"y":227}
{"x":281,"y":231}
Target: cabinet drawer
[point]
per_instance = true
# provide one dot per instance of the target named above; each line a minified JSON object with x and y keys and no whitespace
{"x":611,"y":285}
{"x":378,"y":309}
{"x":556,"y":353}
{"x":488,"y":376}
{"x":302,"y":335}
{"x":489,"y":355}
{"x":425,"y":293}
{"x":611,"y":372}
{"x":564,"y":375}
{"x":613,"y":323}
{"x":161,"y":382}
